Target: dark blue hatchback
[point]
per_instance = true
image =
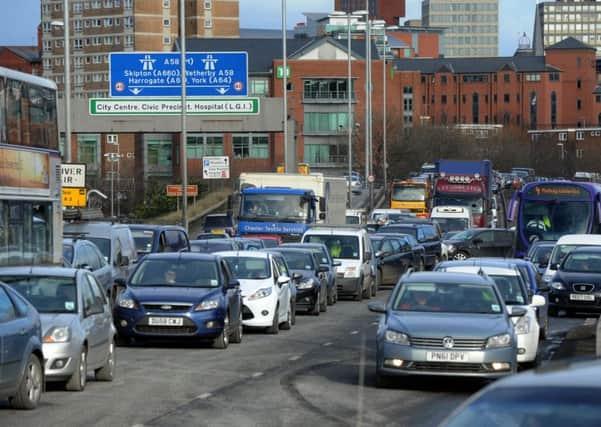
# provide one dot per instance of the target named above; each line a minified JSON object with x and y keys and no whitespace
{"x":181,"y":296}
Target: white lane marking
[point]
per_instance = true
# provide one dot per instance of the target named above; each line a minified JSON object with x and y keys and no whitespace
{"x":138,"y":425}
{"x":257,"y":374}
{"x":293,"y":358}
{"x":354,"y":332}
{"x":204,"y":396}
{"x":590,"y":321}
{"x":327,"y":344}
{"x":375,"y":323}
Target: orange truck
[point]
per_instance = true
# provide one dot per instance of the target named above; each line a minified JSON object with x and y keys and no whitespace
{"x":412,"y":195}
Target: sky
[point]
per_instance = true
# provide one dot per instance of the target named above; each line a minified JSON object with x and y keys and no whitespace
{"x":19,"y":18}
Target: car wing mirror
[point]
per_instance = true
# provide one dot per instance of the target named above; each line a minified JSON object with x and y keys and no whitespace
{"x":538,"y":301}
{"x":323,"y":269}
{"x":297,"y":276}
{"x":517,"y":311}
{"x":336,"y":264}
{"x":233,"y":284}
{"x":282,"y":280}
{"x":377,"y":307}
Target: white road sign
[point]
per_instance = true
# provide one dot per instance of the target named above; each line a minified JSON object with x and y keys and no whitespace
{"x":73,"y":175}
{"x":166,"y":106}
{"x":216,"y":167}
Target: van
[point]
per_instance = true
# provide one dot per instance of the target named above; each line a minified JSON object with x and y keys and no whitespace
{"x":350,"y":246}
{"x":356,"y":216}
{"x":565,"y":245}
{"x":451,"y":218}
{"x":115,"y":241}
{"x":159,"y":238}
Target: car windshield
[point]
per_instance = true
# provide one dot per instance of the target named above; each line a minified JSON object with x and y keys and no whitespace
{"x":452,"y":224}
{"x":48,"y":294}
{"x":409,"y":193}
{"x":541,"y":254}
{"x":447,"y":298}
{"x":249,"y":267}
{"x":68,"y":253}
{"x":556,"y":406}
{"x":288,"y":207}
{"x":210,"y":247}
{"x":143,"y":240}
{"x":341,"y":247}
{"x":376,"y":244}
{"x":192,"y":273}
{"x":549,"y":220}
{"x":474,"y":202}
{"x":465,"y":235}
{"x":103,"y":244}
{"x":399,"y":229}
{"x":351,"y":219}
{"x":510,"y":289}
{"x":218,"y":221}
{"x":582,"y":263}
{"x":298,"y":260}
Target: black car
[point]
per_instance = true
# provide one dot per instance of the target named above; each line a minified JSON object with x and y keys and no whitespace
{"x":325,"y":260}
{"x":481,"y":242}
{"x":208,"y":246}
{"x":576,"y":286}
{"x":219,"y":223}
{"x":394,"y":257}
{"x":427,"y":234}
{"x":539,"y":254}
{"x":152,"y":239}
{"x":418,"y":252}
{"x":311,"y":284}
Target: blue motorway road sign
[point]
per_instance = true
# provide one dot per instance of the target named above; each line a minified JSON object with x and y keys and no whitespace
{"x":157,"y":74}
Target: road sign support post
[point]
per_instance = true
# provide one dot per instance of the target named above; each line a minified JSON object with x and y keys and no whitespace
{"x":184,"y":144}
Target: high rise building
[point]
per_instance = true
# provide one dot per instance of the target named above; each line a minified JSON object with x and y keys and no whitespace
{"x":98,"y":27}
{"x":472,"y":26}
{"x":388,"y":10}
{"x":557,"y":20}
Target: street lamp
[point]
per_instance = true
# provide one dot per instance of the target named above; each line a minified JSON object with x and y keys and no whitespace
{"x":67,"y":75}
{"x":285,"y":86}
{"x":184,"y":142}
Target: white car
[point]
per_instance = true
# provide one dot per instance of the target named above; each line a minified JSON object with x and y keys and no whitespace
{"x":266,"y":293}
{"x":514,"y":291}
{"x":565,"y":245}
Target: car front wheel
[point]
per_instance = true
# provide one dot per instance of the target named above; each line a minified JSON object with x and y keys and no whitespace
{"x":107,"y":372}
{"x":78,"y":380}
{"x":223,"y":340}
{"x":30,"y":389}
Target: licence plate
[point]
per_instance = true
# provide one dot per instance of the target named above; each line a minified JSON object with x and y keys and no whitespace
{"x":165,"y":321}
{"x":582,"y":297}
{"x":447,"y":356}
{"x":218,"y":230}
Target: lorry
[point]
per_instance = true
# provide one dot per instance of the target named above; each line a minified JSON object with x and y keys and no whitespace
{"x":412,"y":194}
{"x":288,"y":204}
{"x":451,"y":219}
{"x":465,"y":183}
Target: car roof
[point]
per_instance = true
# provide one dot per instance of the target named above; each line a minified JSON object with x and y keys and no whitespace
{"x":92,"y":226}
{"x":204,"y":241}
{"x":248,"y":254}
{"x":335,"y":231}
{"x":39,"y":271}
{"x":556,"y":374}
{"x":180,"y":255}
{"x":586,"y":249}
{"x":301,"y":245}
{"x":487,"y":268}
{"x":289,"y":249}
{"x":155,"y":227}
{"x":446,"y":277}
{"x":581,"y":239}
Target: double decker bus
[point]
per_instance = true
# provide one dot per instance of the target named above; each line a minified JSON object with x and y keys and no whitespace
{"x":30,"y":185}
{"x":547,"y":210}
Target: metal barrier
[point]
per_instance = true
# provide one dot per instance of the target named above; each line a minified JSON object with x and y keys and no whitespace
{"x":598,"y":337}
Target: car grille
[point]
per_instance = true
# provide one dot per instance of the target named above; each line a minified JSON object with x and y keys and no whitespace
{"x":583,"y":287}
{"x":167,"y":307}
{"x":291,"y":238}
{"x":246,"y":313}
{"x":459,"y":343}
{"x":166,"y":330}
{"x":447,"y":367}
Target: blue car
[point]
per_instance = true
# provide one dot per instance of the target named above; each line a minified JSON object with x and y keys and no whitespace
{"x":180,"y":296}
{"x":449,"y":324}
{"x":21,"y":357}
{"x":159,"y":238}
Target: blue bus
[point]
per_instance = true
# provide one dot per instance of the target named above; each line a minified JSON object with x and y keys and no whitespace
{"x":548,"y":210}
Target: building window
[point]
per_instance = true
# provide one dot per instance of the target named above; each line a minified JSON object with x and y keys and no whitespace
{"x":108,"y":4}
{"x":325,"y":122}
{"x":579,"y":135}
{"x":579,"y":153}
{"x":46,"y":27}
{"x":443,"y":80}
{"x":506,"y":118}
{"x":108,"y":22}
{"x":208,"y":4}
{"x":128,"y":4}
{"x":129,"y":41}
{"x":455,"y":99}
{"x":578,"y":84}
{"x":475,"y":78}
{"x":259,"y":87}
{"x":158,"y":155}
{"x":166,"y":4}
{"x":599,"y":120}
{"x":579,"y":104}
{"x":166,"y":22}
{"x":166,"y":40}
{"x":316,"y":154}
{"x":200,"y":146}
{"x":328,"y":89}
{"x":208,"y":23}
{"x":128,"y":21}
{"x":517,"y":98}
{"x":553,"y":110}
{"x":433,"y":100}
{"x":77,"y":43}
{"x":578,"y":62}
{"x":251,"y":146}
{"x":533,"y":77}
{"x":598,"y":99}
{"x":506,"y":77}
{"x":96,"y":4}
{"x":554,"y":77}
{"x":463,"y":99}
{"x":475,"y":108}
{"x":533,"y":110}
{"x":88,"y":151}
{"x":443,"y":99}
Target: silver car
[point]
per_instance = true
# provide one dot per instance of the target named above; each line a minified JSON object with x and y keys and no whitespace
{"x":77,"y":324}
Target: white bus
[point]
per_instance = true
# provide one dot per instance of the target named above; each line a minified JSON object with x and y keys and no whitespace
{"x":30,"y":185}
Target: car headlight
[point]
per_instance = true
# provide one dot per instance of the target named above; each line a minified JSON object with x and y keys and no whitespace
{"x":558,"y":286}
{"x":396,"y":337}
{"x":450,"y":248}
{"x":547,"y":277}
{"x":503,"y":340}
{"x":260,"y":293}
{"x":351,"y":272}
{"x":125,"y":302}
{"x":58,"y":334}
{"x":306,"y":284}
{"x":522,"y":327}
{"x":210,"y":304}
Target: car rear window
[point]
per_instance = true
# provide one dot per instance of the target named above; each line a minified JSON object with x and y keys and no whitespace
{"x":218,"y":221}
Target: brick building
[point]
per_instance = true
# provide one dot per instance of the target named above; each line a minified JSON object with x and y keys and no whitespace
{"x":98,"y":27}
{"x":21,"y":58}
{"x":388,"y":10}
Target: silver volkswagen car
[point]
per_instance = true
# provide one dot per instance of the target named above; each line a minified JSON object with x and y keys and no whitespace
{"x":445,"y":324}
{"x":77,"y":324}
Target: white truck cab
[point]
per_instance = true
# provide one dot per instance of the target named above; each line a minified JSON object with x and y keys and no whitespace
{"x":452,"y":218}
